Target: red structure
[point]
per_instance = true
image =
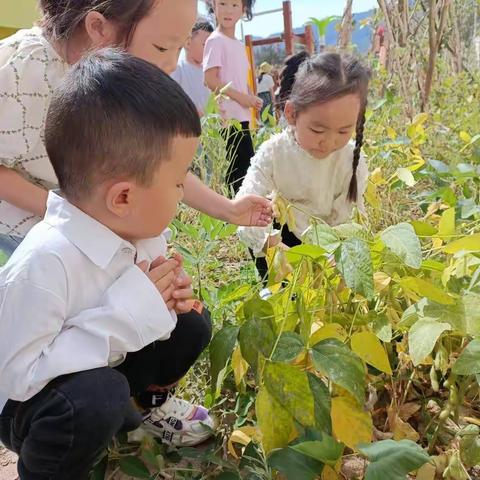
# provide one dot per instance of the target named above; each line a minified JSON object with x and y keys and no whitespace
{"x":288,"y":37}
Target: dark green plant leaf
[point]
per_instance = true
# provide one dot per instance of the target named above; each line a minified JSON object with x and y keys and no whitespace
{"x":322,"y":235}
{"x":290,"y":387}
{"x":468,"y":363}
{"x":305,"y":317}
{"x":355,"y":264}
{"x":423,"y":336}
{"x":392,"y":460}
{"x":327,"y":450}
{"x":381,"y":327}
{"x":221,"y":349}
{"x":348,"y":230}
{"x":257,"y":334}
{"x":228,"y":476}
{"x":470,"y":445}
{"x":295,"y":254}
{"x":289,"y":346}
{"x":402,"y":240}
{"x":343,"y":367}
{"x":99,"y":470}
{"x":294,"y":465}
{"x":322,"y":403}
{"x":134,"y":467}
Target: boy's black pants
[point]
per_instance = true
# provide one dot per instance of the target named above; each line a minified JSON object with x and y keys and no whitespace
{"x":59,"y":433}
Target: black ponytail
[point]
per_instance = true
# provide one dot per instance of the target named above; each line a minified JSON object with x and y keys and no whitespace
{"x":260,"y":78}
{"x":287,"y":77}
{"x":353,"y":188}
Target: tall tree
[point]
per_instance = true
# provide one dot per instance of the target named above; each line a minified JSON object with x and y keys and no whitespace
{"x":346,"y":26}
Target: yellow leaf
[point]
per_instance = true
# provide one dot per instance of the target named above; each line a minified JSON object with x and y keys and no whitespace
{"x":328,"y":473}
{"x":420,"y":119}
{"x":239,"y":366}
{"x":447,"y":274}
{"x":446,"y":226}
{"x":393,"y":316}
{"x":465,"y":137}
{"x":275,"y":423}
{"x":469,"y":244}
{"x":426,"y":472}
{"x":426,"y":289}
{"x":401,"y":430}
{"x":304,"y":360}
{"x":419,"y":163}
{"x":405,"y":175}
{"x":369,"y":348}
{"x":242,"y":436}
{"x":408,"y":409}
{"x":330,"y":330}
{"x":376,"y":177}
{"x":371,"y":195}
{"x":404,"y":431}
{"x":381,"y":280}
{"x":351,"y":424}
{"x":432,"y":209}
{"x":437,"y":243}
{"x":391,"y":133}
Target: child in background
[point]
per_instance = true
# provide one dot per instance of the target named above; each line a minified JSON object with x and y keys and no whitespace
{"x":266,"y":86}
{"x":34,"y":61}
{"x":91,"y":311}
{"x":225,"y":63}
{"x":312,"y":164}
{"x":189,"y":72}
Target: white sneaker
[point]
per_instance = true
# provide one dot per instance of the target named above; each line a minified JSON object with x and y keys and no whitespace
{"x":179,"y":423}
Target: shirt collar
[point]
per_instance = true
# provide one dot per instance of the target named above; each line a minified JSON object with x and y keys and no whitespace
{"x":91,"y":237}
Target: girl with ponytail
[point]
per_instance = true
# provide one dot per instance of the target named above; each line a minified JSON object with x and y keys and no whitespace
{"x":312,"y":165}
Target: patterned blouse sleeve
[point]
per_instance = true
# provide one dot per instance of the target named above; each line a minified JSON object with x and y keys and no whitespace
{"x":24,"y":100}
{"x":259,"y":181}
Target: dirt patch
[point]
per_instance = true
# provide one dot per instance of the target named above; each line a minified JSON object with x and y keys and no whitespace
{"x":8,"y":465}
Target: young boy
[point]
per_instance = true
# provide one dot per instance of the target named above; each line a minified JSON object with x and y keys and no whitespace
{"x":189,"y":72}
{"x":84,"y":300}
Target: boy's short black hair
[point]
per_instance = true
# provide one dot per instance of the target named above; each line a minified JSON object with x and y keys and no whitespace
{"x":114,"y":116}
{"x":202,"y":25}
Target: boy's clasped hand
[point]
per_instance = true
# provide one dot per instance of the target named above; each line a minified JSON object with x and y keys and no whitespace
{"x":171,"y":281}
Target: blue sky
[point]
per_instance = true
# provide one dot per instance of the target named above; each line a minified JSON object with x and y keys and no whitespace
{"x":301,"y":9}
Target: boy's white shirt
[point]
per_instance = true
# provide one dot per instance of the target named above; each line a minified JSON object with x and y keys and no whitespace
{"x":318,"y":187}
{"x":72,"y":299}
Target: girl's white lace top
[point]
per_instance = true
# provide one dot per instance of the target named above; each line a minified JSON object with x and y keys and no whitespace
{"x":318,"y":188}
{"x":30,"y":70}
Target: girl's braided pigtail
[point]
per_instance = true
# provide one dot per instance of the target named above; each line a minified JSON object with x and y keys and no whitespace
{"x":353,"y":188}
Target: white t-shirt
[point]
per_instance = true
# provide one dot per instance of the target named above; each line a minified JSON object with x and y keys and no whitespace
{"x":190,"y":77}
{"x":30,"y":70}
{"x":266,"y":84}
{"x":318,"y":187}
